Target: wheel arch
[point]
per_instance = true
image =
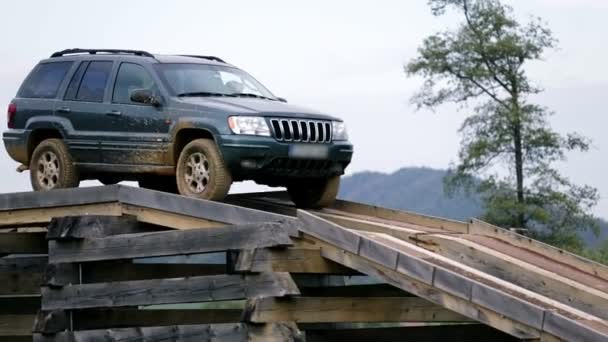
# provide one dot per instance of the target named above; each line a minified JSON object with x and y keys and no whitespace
{"x":38,"y":135}
{"x":186,"y":135}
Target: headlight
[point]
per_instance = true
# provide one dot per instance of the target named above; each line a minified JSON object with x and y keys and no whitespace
{"x":339,"y":130}
{"x":251,"y":125}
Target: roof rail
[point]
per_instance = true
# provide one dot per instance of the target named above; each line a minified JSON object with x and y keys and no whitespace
{"x":212,"y":58}
{"x":94,"y":51}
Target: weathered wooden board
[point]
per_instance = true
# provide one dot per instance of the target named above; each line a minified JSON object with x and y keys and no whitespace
{"x":346,"y":309}
{"x":452,"y":333}
{"x":23,"y":243}
{"x":57,"y":321}
{"x":168,"y":291}
{"x":36,"y":215}
{"x":19,"y":305}
{"x":293,"y":260}
{"x":92,"y":226}
{"x":182,"y":333}
{"x":255,"y":235}
{"x":15,"y":325}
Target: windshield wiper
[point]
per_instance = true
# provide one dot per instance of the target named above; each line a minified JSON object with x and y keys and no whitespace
{"x":203,"y":93}
{"x":252,"y":95}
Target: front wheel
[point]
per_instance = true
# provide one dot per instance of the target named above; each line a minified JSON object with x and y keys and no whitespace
{"x":51,"y":167}
{"x":201,"y":172}
{"x":314,"y":193}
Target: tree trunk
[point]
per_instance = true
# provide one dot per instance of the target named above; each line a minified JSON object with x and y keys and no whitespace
{"x":519,"y":162}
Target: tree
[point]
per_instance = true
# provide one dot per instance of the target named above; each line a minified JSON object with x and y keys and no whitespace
{"x":508,"y":149}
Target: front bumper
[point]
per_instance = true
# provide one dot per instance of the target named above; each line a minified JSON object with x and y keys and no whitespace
{"x":268,"y":161}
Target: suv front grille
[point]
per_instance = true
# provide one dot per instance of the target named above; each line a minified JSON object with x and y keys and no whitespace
{"x":313,"y":131}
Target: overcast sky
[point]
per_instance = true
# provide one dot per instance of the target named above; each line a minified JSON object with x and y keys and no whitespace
{"x":342,"y":57}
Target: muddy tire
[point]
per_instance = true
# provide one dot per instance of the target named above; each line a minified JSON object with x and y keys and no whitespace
{"x":52,"y":167}
{"x":201,"y":172}
{"x":314,"y":193}
{"x":159,"y":183}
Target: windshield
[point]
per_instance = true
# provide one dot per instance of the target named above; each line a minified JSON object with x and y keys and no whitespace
{"x":210,"y":80}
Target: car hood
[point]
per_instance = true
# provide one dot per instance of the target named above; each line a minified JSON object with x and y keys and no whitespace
{"x":253,"y":106}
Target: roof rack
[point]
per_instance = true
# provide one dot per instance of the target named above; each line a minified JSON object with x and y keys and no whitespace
{"x":94,"y":51}
{"x":212,"y":58}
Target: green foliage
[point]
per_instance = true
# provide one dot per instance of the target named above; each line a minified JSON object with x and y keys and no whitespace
{"x":507,"y":142}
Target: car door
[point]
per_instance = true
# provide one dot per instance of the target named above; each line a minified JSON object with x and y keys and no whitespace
{"x":85,"y":106}
{"x":139,"y":132}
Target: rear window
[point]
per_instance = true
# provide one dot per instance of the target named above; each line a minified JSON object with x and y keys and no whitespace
{"x":44,"y":81}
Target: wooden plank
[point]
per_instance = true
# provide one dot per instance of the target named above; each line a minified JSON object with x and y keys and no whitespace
{"x":182,"y":333}
{"x":16,"y":325}
{"x":398,"y":215}
{"x":25,"y":217}
{"x":558,"y":255}
{"x":57,"y":321}
{"x":19,"y":305}
{"x":293,"y":260}
{"x":452,"y":333}
{"x":168,"y":291}
{"x":345,"y":309}
{"x":328,"y":231}
{"x":18,"y":263}
{"x":92,"y":226}
{"x":23,"y":243}
{"x":520,"y":272}
{"x":59,"y":198}
{"x":209,"y":210}
{"x":423,"y":290}
{"x":168,"y":219}
{"x":20,"y":283}
{"x":359,"y":290}
{"x":256,"y":235}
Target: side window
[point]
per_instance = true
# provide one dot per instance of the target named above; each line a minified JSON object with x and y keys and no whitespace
{"x":130,"y":77}
{"x":70,"y":93}
{"x":94,"y":80}
{"x":44,"y":81}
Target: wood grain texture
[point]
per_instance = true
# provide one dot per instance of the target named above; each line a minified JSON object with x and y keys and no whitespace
{"x":256,"y":235}
{"x":92,"y":226}
{"x":345,"y":309}
{"x":293,"y":260}
{"x":23,"y":243}
{"x":182,"y":333}
{"x":168,"y":291}
{"x":35,"y":215}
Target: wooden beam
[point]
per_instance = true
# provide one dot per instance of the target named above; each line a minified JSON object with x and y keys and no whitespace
{"x":345,"y":309}
{"x":521,"y":271}
{"x":446,"y":300}
{"x":57,"y":321}
{"x":168,"y":291}
{"x":168,"y":219}
{"x":92,"y":226}
{"x":452,"y":333}
{"x":19,"y":305}
{"x":256,"y":235}
{"x":293,"y":260}
{"x":561,"y":256}
{"x":23,"y":243}
{"x":346,"y":207}
{"x":16,"y":325}
{"x":35,"y":215}
{"x":182,"y":333}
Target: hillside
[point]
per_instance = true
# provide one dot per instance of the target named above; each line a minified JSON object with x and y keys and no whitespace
{"x":421,"y":190}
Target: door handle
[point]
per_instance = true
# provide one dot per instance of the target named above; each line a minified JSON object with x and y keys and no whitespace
{"x":63,"y":109}
{"x":114,"y":113}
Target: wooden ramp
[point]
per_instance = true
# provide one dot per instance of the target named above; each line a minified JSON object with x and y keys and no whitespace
{"x":118,"y":263}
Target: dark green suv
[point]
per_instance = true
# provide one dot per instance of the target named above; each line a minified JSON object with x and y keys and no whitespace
{"x":187,"y":124}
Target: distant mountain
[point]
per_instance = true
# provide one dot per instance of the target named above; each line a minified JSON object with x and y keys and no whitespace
{"x":420,"y":189}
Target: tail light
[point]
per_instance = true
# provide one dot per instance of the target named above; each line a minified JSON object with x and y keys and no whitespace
{"x":10,"y":119}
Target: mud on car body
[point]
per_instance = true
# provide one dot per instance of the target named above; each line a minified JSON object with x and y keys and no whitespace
{"x":187,"y":124}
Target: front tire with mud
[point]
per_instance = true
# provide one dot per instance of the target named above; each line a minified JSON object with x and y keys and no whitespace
{"x":316,"y":193}
{"x":201,"y":172}
{"x":52,"y":167}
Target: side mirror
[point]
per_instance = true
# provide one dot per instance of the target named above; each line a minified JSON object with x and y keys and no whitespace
{"x":145,"y":96}
{"x":282,"y":99}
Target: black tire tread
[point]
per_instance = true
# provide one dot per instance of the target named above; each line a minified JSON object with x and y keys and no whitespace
{"x":70,"y":177}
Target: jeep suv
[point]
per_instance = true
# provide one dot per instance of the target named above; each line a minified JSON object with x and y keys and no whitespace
{"x":188,"y":124}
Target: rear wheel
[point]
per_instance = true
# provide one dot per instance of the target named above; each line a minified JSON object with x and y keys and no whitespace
{"x":201,"y":172}
{"x":314,"y":193}
{"x":52,"y":167}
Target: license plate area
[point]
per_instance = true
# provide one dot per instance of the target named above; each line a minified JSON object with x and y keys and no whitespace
{"x":305,"y":151}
